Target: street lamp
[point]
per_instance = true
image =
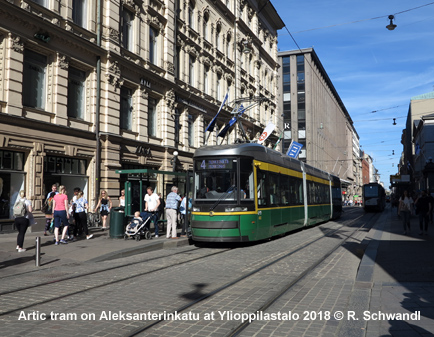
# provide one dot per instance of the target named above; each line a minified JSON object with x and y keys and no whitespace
{"x":391,"y":25}
{"x":173,"y":160}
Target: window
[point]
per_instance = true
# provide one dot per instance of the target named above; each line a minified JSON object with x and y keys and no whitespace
{"x":76,"y":93}
{"x":41,"y":2}
{"x":228,"y":46}
{"x":79,"y":12}
{"x":64,"y":165}
{"x":126,"y":109}
{"x":191,"y":14}
{"x":152,"y":117}
{"x":219,"y":86}
{"x":205,"y":27}
{"x":217,"y":38}
{"x":153,"y":46}
{"x":127,"y":29}
{"x":11,"y":161}
{"x":190,"y":131}
{"x":34,"y":79}
{"x":191,"y":61}
{"x":206,"y":80}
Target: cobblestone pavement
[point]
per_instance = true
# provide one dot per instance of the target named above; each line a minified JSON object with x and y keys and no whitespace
{"x":360,"y":275}
{"x":88,"y":305}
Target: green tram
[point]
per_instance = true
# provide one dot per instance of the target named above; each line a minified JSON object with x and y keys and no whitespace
{"x":247,"y":192}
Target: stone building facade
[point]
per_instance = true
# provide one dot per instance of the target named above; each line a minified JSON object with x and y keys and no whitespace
{"x":91,"y":86}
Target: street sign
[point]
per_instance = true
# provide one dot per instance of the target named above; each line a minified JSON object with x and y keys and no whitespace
{"x":294,"y":149}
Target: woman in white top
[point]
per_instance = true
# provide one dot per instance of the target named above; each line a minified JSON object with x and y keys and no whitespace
{"x":404,"y":209}
{"x":122,"y":199}
{"x":22,"y":220}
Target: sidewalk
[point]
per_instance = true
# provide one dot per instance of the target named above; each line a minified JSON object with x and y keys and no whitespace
{"x":99,"y":248}
{"x":396,"y":275}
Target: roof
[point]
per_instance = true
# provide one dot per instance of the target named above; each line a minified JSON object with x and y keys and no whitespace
{"x":428,"y":95}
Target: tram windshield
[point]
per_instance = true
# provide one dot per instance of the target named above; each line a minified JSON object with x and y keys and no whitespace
{"x":217,"y":179}
{"x":371,"y":191}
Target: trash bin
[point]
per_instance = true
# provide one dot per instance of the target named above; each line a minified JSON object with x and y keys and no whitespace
{"x":118,"y":222}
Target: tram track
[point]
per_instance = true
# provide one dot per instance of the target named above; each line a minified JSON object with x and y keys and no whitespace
{"x":242,"y":326}
{"x":68,"y":289}
{"x":245,"y":276}
{"x":102,"y":284}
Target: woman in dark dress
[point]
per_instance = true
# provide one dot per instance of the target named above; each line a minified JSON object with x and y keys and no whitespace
{"x":104,"y":206}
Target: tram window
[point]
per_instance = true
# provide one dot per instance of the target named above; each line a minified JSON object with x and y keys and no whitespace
{"x":295,"y":191}
{"x":262,"y":193}
{"x":246,"y":179}
{"x":274,"y":189}
{"x":216,"y":183}
{"x":284,"y":190}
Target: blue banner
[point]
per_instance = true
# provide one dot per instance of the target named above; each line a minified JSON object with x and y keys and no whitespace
{"x":211,"y":125}
{"x":294,"y":149}
{"x":223,"y":132}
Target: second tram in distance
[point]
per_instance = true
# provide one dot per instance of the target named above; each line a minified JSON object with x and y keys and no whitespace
{"x":374,"y":197}
{"x":247,"y":192}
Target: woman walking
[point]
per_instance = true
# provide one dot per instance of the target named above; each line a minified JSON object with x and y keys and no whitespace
{"x":104,"y":205}
{"x":81,"y":205}
{"x":404,"y":209}
{"x":60,"y":215}
{"x":22,"y":212}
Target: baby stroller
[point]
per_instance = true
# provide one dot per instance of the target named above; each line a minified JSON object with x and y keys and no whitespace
{"x":139,"y":228}
{"x":93,"y":219}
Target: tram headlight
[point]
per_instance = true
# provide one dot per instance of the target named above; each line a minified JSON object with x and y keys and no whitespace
{"x":236,"y":209}
{"x":196,"y":209}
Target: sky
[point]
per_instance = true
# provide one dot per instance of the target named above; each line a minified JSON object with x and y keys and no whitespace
{"x":375,"y":71}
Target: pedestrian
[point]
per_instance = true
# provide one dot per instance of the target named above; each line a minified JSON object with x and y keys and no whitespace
{"x":162,"y":206}
{"x":48,"y":208}
{"x":60,"y":214}
{"x":172,"y":202}
{"x":152,"y":202}
{"x":22,"y":213}
{"x":104,"y":205}
{"x":423,"y":207}
{"x":122,"y":199}
{"x":81,"y":205}
{"x":404,"y":209}
{"x":73,"y":216}
{"x":185,"y":210}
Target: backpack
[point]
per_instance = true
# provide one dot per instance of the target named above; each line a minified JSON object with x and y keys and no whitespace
{"x":20,"y":209}
{"x":48,"y":206}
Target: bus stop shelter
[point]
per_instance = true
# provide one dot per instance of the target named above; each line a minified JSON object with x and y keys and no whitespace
{"x":137,"y":180}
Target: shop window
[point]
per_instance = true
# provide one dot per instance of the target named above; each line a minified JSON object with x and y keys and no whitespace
{"x":11,"y":160}
{"x":62,"y":165}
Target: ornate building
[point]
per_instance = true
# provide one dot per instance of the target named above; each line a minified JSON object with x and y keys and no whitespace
{"x":91,"y":86}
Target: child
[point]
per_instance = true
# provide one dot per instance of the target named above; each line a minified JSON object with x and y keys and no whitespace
{"x":136,"y":221}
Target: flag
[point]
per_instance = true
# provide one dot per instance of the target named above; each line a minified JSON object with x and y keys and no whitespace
{"x":294,"y":149}
{"x":223,"y":132}
{"x":211,"y":125}
{"x":278,"y":141}
{"x":267,"y":131}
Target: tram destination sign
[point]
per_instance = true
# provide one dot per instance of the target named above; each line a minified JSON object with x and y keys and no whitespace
{"x":216,"y":164}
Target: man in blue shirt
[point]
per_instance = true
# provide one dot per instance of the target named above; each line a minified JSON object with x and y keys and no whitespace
{"x":172,"y":202}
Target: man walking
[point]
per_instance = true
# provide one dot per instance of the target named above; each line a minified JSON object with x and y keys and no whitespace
{"x":172,"y":202}
{"x":152,"y":201}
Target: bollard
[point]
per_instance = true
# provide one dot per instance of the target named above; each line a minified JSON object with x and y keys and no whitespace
{"x":38,"y":251}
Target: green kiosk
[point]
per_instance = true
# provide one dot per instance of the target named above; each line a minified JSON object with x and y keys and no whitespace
{"x":136,"y":183}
